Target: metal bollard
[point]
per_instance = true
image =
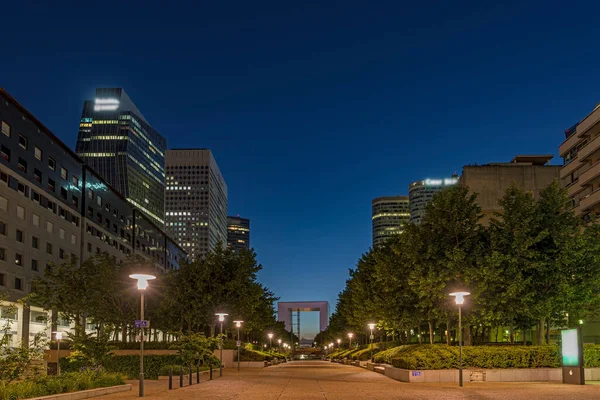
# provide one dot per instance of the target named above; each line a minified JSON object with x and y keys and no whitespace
{"x":210,"y":371}
{"x":190,"y":377}
{"x":170,"y":378}
{"x":180,"y":377}
{"x":197,"y":374}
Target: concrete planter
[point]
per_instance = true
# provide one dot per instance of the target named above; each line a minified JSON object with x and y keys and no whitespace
{"x":86,"y":394}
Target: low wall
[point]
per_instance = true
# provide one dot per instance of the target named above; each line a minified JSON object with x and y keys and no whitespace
{"x":86,"y":394}
{"x":479,"y":375}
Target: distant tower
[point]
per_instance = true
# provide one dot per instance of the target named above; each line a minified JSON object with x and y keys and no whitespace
{"x":389,"y":215}
{"x":420,"y":194}
{"x":238,"y":233}
{"x":118,"y":143}
{"x":196,"y":195}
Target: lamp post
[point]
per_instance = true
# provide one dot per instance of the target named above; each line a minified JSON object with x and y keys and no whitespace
{"x":238,"y":325}
{"x":460,"y":299}
{"x":371,"y":327}
{"x":350,"y":338}
{"x":338,"y":342}
{"x":142,"y":284}
{"x":58,"y":336}
{"x":278,"y":344}
{"x":221,"y":319}
{"x":270,"y":335}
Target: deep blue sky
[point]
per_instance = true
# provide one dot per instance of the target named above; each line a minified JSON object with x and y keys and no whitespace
{"x":314,"y":108}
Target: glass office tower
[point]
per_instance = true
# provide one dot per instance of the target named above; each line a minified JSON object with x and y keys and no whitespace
{"x":118,"y":142}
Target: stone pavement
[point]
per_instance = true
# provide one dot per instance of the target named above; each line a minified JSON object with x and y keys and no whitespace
{"x":325,"y":380}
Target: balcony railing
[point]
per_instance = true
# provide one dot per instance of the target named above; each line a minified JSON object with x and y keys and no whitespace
{"x":589,"y":149}
{"x":568,"y":169}
{"x":591,"y":200}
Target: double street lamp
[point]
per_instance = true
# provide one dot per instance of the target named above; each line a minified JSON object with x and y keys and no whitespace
{"x":350,"y":338}
{"x":371,"y":327}
{"x":142,"y":284}
{"x":270,"y":335}
{"x":338,"y":342}
{"x":58,"y":336}
{"x":238,"y":325}
{"x":460,"y":299}
{"x":221,"y":319}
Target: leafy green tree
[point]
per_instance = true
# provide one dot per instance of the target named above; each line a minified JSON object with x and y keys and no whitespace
{"x":196,"y":349}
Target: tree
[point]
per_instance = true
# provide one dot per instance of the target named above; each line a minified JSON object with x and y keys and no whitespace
{"x":195,"y":349}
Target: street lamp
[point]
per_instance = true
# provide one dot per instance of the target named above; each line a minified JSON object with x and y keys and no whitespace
{"x":270,"y":335}
{"x":238,"y":325}
{"x":221,"y":319}
{"x":142,"y":284}
{"x":58,"y":336}
{"x":371,"y":327}
{"x":339,"y":341}
{"x":350,"y":337}
{"x":460,"y":299}
{"x":279,"y":344}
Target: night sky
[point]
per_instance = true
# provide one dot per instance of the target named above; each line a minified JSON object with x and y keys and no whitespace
{"x":314,"y":108}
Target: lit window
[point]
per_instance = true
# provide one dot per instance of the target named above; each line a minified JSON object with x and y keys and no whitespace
{"x":20,"y":212}
{"x":75,"y":181}
{"x":52,"y":164}
{"x":36,"y":219}
{"x":49,"y":227}
{"x":64,"y":173}
{"x":3,"y":203}
{"x":38,"y":153}
{"x":19,"y":259}
{"x":61,"y":233}
{"x":6,"y":128}
{"x":23,"y":141}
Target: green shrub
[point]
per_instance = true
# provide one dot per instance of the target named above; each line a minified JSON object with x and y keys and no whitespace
{"x":257,"y":355}
{"x":386,"y":356}
{"x":591,"y":355}
{"x":68,"y":382}
{"x":164,"y":370}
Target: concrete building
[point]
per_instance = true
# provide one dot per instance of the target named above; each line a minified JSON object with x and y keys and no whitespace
{"x":388,"y":217}
{"x":196,"y":196}
{"x":53,"y":206}
{"x":238,"y":233}
{"x":532,"y":173}
{"x":420,"y":194}
{"x":580,"y":172}
{"x":117,"y":142}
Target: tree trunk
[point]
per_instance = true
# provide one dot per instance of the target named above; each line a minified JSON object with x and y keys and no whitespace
{"x":448,"y":332}
{"x":524,"y":336}
{"x":512,"y":333}
{"x":124,"y":333}
{"x":541,"y":324}
{"x":431,"y":327}
{"x":547,"y":331}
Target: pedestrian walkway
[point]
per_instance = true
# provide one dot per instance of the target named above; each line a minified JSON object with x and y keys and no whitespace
{"x":324,"y":380}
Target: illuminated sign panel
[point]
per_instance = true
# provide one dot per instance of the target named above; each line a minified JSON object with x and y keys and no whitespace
{"x":106,"y":104}
{"x":440,"y":182}
{"x":571,"y":356}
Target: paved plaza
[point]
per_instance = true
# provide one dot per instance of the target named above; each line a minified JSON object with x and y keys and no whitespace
{"x":325,"y":380}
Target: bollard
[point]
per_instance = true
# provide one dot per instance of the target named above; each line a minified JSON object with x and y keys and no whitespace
{"x":180,"y":377}
{"x":171,"y":378}
{"x":210,"y":371}
{"x":190,"y":377}
{"x":197,"y":374}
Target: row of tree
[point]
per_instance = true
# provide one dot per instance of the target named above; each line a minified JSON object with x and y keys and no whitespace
{"x":182,"y":301}
{"x":532,"y":266}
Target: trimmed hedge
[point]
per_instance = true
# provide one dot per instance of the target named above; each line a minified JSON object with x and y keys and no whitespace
{"x":591,"y":355}
{"x":386,"y":356}
{"x":129,"y":365}
{"x":256,"y":355}
{"x":66,"y":383}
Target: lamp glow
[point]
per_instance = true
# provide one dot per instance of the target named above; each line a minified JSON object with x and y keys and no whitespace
{"x":238,"y":324}
{"x":221,"y":316}
{"x":58,"y":335}
{"x":142,"y":280}
{"x":372,"y":326}
{"x":460,"y":296}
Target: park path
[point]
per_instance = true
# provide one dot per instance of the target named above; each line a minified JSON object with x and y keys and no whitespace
{"x":324,"y":380}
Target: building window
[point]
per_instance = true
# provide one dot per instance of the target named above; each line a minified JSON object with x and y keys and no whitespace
{"x":89,"y":247}
{"x":23,"y":141}
{"x":2,"y":283}
{"x":61,"y":233}
{"x":63,"y":193}
{"x":64,"y":173}
{"x":18,"y":284}
{"x":73,"y":239}
{"x":91,"y":194}
{"x":51,"y":185}
{"x":37,"y":175}
{"x":52,"y":164}
{"x":20,"y":212}
{"x":74,"y":201}
{"x":49,"y":248}
{"x":22,"y":165}
{"x":2,"y":228}
{"x":6,"y":128}
{"x":49,"y":227}
{"x":3,"y":203}
{"x":34,"y":265}
{"x":2,"y":254}
{"x":61,"y":254}
{"x":5,"y":153}
{"x":19,"y":259}
{"x":99,"y":200}
{"x":75,"y":181}
{"x":38,"y":153}
{"x":19,"y":236}
{"x":35,"y":242}
{"x":36,"y":219}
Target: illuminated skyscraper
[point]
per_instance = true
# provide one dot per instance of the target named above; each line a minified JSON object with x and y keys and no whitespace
{"x":117,"y":142}
{"x":421,"y":192}
{"x":389,"y":215}
{"x":196,"y":196}
{"x":238,"y":233}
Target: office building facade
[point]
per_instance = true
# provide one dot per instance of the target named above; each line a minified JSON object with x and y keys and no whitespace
{"x":532,"y":173}
{"x":388,"y":217}
{"x":420,"y":194}
{"x":196,"y":201}
{"x":117,"y":142}
{"x":238,"y":233}
{"x":580,"y":172}
{"x":54,"y":206}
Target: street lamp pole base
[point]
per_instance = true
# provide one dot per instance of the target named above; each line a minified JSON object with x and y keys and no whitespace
{"x":142,"y":384}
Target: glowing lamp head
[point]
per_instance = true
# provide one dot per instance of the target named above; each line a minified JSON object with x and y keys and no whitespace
{"x":270,"y":335}
{"x":279,"y":341}
{"x":460,"y":297}
{"x":339,"y":341}
{"x":58,"y":335}
{"x":372,"y":326}
{"x":350,"y":335}
{"x":142,"y":280}
{"x":330,"y":344}
{"x":238,"y":324}
{"x":221,"y":316}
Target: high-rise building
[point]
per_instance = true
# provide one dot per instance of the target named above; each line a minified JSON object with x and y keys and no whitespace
{"x":389,"y":215}
{"x":238,"y":233}
{"x":580,"y":172}
{"x":196,"y":196}
{"x":52,"y":207}
{"x":117,"y":142}
{"x":420,"y":194}
{"x":532,"y":173}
